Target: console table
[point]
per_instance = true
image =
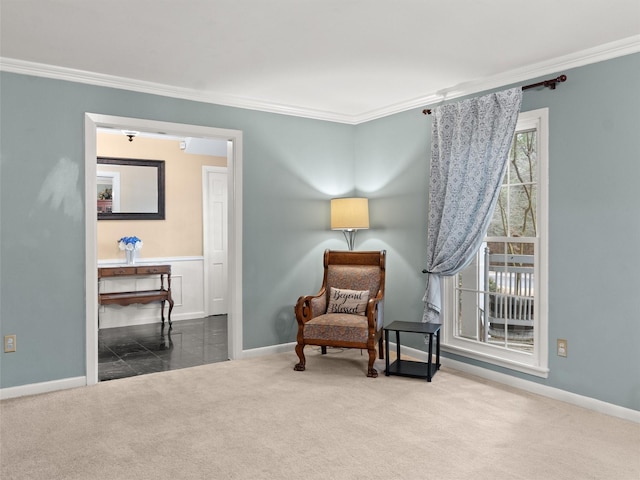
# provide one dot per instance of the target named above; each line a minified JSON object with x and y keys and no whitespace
{"x":408,"y":368}
{"x":141,"y":296}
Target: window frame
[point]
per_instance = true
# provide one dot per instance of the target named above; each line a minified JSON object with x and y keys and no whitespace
{"x":536,"y":363}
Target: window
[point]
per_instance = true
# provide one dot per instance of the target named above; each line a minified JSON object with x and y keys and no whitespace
{"x":495,"y":309}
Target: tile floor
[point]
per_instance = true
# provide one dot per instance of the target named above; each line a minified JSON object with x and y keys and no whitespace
{"x":139,"y":349}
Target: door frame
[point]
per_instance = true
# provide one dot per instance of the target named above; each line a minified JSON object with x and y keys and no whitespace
{"x":234,"y":189}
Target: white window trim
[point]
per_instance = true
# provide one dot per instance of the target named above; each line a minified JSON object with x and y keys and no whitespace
{"x":537,"y":363}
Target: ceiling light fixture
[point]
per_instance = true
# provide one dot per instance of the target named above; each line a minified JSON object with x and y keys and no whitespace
{"x":131,"y":134}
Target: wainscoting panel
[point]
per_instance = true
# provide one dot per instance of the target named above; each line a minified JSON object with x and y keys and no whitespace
{"x":187,"y":291}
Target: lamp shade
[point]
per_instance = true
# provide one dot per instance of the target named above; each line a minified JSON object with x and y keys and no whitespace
{"x":349,"y":213}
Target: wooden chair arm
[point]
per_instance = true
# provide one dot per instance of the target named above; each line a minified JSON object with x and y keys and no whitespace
{"x":372,"y":312}
{"x":304,"y":310}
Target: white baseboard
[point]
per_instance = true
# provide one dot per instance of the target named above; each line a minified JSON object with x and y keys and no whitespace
{"x":74,"y":382}
{"x":156,"y":319}
{"x":526,"y":385}
{"x":522,"y":384}
{"x":532,"y":387}
{"x":43,"y":387}
{"x":270,"y":350}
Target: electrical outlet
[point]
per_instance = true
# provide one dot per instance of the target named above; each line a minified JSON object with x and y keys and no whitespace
{"x":9,"y":343}
{"x":562,"y":347}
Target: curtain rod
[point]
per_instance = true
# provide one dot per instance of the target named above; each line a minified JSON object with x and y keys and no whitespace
{"x":551,"y":83}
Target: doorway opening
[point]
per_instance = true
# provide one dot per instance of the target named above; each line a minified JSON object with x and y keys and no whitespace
{"x":233,"y":237}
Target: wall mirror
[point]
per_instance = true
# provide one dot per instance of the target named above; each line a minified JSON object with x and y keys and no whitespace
{"x":130,"y":189}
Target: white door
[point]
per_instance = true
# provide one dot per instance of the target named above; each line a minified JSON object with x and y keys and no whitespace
{"x":215,"y":240}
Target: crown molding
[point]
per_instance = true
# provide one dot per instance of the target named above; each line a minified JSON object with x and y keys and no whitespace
{"x":597,"y":54}
{"x":111,"y":81}
{"x":601,"y":53}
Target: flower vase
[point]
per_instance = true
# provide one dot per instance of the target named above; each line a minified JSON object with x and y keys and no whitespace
{"x":131,"y":256}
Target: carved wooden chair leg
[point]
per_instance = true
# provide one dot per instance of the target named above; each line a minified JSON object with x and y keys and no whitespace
{"x":300,"y":352}
{"x":381,"y":348}
{"x":372,"y":372}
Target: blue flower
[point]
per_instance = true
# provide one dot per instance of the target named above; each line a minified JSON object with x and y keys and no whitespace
{"x":130,"y":243}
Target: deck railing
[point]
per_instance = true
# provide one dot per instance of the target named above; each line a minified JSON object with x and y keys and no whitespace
{"x":509,"y":296}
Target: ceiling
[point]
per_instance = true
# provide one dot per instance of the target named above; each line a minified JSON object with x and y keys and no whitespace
{"x":341,"y":60}
{"x":194,"y":145}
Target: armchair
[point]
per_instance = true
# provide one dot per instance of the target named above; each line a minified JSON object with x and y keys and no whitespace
{"x":347,"y":311}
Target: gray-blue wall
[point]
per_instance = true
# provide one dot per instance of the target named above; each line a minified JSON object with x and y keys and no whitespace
{"x":292,"y":166}
{"x":594,"y":225}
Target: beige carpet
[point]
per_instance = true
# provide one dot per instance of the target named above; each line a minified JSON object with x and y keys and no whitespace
{"x":258,"y":419}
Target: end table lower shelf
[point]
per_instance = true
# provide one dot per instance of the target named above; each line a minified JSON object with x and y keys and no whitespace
{"x":409,"y":368}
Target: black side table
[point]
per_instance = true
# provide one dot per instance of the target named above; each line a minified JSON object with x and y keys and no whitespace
{"x":408,"y":368}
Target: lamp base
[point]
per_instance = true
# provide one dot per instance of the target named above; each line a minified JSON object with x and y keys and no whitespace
{"x":350,"y":236}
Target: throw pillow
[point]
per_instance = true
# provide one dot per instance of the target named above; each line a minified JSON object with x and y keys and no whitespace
{"x":348,"y":301}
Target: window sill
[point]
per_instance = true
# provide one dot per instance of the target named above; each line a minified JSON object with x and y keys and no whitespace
{"x":487,"y":357}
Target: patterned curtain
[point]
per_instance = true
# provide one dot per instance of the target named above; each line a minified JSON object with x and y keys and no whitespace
{"x":470,"y":147}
